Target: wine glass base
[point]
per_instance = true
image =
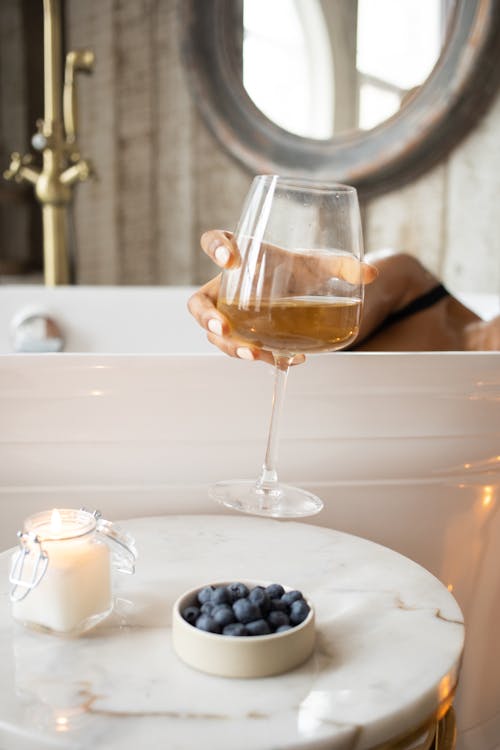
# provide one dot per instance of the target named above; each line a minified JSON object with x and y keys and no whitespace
{"x":286,"y":502}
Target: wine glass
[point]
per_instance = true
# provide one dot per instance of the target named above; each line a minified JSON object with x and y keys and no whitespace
{"x":295,"y":287}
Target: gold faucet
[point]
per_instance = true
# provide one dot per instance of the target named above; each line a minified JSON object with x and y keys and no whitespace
{"x":57,"y":139}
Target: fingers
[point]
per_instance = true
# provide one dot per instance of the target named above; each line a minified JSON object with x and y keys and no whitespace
{"x":220,"y":247}
{"x":368,"y":273}
{"x":202,"y":306}
{"x":239,"y":349}
{"x":244,"y":350}
{"x":350,"y":269}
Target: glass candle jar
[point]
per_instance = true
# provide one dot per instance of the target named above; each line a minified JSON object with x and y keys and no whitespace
{"x":61,"y":574}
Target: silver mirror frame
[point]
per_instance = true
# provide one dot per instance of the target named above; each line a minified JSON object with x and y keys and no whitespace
{"x":449,"y":104}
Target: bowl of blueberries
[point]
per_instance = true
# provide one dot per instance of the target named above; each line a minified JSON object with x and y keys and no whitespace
{"x":243,"y":629}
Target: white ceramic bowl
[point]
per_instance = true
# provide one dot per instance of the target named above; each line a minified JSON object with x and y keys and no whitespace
{"x":242,"y":656}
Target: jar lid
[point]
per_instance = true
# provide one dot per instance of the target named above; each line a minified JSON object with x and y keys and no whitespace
{"x":60,"y":523}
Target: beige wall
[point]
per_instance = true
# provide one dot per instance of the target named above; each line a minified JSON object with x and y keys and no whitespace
{"x":450,"y":218}
{"x":162,"y":178}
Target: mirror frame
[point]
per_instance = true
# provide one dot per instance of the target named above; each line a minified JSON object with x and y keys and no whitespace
{"x":449,"y":104}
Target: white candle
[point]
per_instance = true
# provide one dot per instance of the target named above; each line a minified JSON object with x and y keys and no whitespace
{"x":75,"y":591}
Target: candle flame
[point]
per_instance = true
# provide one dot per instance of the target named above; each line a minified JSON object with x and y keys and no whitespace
{"x":55,"y":521}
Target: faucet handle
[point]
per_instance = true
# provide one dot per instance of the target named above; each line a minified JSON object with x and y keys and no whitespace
{"x":82,"y":170}
{"x":17,"y":167}
{"x":76,"y":61}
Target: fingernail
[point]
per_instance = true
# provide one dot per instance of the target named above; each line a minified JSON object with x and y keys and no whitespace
{"x":244,"y":353}
{"x":298,"y":359}
{"x":221,"y":255}
{"x":215,"y":326}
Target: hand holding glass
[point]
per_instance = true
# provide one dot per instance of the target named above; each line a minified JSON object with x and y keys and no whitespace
{"x":295,"y":288}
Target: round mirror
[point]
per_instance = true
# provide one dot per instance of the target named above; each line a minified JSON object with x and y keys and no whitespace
{"x":318,"y":69}
{"x":368,"y":92}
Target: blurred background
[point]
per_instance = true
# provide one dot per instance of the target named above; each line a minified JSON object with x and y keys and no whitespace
{"x":318,"y":69}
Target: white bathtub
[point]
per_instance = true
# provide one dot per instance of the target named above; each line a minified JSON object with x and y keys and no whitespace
{"x":403,"y":448}
{"x":129,"y":320}
{"x":107,"y":319}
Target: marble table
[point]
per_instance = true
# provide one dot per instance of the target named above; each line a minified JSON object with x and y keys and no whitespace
{"x":386,"y":662}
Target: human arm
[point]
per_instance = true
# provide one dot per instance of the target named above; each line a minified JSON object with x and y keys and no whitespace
{"x":221,"y":248}
{"x":443,"y":323}
{"x":393,"y":319}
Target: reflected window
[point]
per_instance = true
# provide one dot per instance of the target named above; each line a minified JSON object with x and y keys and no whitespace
{"x":398,"y":43}
{"x":287,"y":64}
{"x":318,"y":68}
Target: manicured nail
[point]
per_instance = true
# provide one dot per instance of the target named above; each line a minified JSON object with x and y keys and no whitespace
{"x":244,"y":353}
{"x":298,"y":359}
{"x":215,"y":326}
{"x":221,"y":255}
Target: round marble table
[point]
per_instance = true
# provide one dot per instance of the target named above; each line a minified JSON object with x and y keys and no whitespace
{"x":386,"y":661}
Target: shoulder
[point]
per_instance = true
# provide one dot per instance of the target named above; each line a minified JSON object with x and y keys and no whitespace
{"x":403,"y":273}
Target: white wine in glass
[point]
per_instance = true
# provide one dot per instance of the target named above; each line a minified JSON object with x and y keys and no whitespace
{"x":295,"y":287}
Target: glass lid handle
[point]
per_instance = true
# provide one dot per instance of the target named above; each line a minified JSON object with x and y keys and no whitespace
{"x":122,"y":544}
{"x":22,"y":576}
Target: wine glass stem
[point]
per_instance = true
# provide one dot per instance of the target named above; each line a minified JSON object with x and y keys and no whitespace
{"x":268,"y":479}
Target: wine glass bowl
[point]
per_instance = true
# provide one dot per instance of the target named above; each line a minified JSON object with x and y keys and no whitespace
{"x":306,"y":323}
{"x":295,"y":287}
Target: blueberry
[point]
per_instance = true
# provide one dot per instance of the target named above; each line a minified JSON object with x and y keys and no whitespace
{"x":237,"y":610}
{"x":275,"y":591}
{"x":223,"y":614}
{"x":258,"y":627}
{"x":191,"y":614}
{"x":276,"y":619}
{"x":237,"y":591}
{"x":299,"y":611}
{"x":220,"y":595}
{"x":291,"y":596}
{"x":246,"y":611}
{"x":235,"y":629}
{"x":259,"y":597}
{"x":256,"y":591}
{"x":207,"y":623}
{"x":205,"y":594}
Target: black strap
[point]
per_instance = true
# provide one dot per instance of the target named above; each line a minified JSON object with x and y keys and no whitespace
{"x":417,"y":305}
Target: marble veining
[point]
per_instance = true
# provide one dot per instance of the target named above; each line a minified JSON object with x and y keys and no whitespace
{"x":389,"y":644}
